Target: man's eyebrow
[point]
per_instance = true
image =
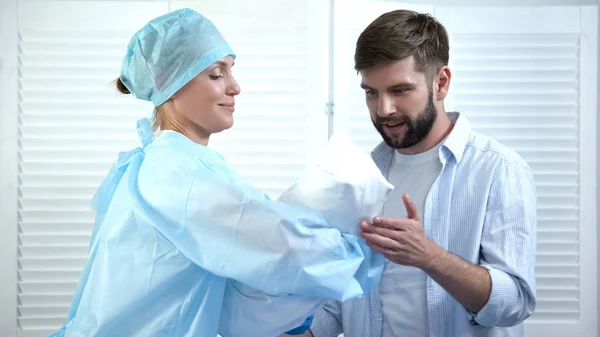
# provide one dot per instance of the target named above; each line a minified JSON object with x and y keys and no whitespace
{"x":404,"y":85}
{"x":398,"y":85}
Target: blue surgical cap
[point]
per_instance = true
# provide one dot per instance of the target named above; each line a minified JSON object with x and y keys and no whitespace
{"x":170,"y":51}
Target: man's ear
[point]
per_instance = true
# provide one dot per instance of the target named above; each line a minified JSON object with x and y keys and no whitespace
{"x":441,"y":83}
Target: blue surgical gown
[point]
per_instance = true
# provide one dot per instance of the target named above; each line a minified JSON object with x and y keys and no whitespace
{"x":184,"y":246}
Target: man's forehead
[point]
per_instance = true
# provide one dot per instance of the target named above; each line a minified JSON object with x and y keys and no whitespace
{"x":392,"y":74}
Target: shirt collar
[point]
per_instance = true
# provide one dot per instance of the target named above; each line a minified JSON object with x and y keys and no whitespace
{"x":457,"y":140}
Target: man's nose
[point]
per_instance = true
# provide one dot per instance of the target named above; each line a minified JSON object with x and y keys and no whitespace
{"x":386,"y":106}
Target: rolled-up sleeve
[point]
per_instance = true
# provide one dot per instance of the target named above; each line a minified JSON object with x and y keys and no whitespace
{"x":508,"y":247}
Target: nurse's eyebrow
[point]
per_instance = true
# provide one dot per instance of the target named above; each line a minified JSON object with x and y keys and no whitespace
{"x":224,"y":64}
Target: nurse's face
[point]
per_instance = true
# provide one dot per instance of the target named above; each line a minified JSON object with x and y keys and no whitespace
{"x":206,"y":104}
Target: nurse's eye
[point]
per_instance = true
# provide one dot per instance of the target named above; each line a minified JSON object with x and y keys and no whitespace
{"x":216,"y":77}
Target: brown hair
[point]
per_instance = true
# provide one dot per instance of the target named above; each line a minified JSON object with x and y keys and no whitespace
{"x":400,"y":34}
{"x":121,"y":87}
{"x":158,"y":120}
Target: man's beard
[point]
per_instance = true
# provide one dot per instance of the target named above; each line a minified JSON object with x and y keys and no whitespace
{"x":416,"y":131}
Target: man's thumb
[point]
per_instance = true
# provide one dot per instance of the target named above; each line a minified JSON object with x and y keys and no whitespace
{"x":411,"y":208}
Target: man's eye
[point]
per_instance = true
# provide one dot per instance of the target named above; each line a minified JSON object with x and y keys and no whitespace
{"x":370,"y":92}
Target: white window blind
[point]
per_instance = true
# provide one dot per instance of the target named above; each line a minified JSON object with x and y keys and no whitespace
{"x":526,"y":77}
{"x":72,"y":123}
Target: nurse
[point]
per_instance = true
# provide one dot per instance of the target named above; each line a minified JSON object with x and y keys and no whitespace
{"x":182,"y":244}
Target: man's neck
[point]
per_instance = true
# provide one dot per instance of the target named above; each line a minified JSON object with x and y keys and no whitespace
{"x":441,"y":128}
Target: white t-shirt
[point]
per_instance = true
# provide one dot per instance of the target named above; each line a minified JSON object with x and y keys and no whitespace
{"x":403,"y":289}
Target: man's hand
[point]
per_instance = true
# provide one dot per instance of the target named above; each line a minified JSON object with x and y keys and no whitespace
{"x":401,"y":240}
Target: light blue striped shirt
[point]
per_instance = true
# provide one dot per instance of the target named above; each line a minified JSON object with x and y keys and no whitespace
{"x":481,"y":208}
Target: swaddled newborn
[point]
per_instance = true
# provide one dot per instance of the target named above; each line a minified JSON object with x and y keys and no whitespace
{"x":347,"y":188}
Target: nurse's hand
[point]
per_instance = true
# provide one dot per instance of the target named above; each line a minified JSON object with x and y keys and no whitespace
{"x":401,"y":240}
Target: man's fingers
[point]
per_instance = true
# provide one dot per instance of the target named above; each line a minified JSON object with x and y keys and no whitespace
{"x":391,"y":223}
{"x":380,"y":240}
{"x":382,"y":231}
{"x":411,"y":208}
{"x":380,"y":249}
{"x":399,"y":224}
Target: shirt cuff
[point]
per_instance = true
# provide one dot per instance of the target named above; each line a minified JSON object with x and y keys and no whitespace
{"x":324,"y":325}
{"x":501,"y":298}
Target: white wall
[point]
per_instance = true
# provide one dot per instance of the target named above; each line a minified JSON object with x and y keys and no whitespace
{"x":8,"y":167}
{"x":598,"y":180}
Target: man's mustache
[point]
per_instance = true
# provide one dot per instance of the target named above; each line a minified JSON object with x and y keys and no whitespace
{"x":392,"y":120}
